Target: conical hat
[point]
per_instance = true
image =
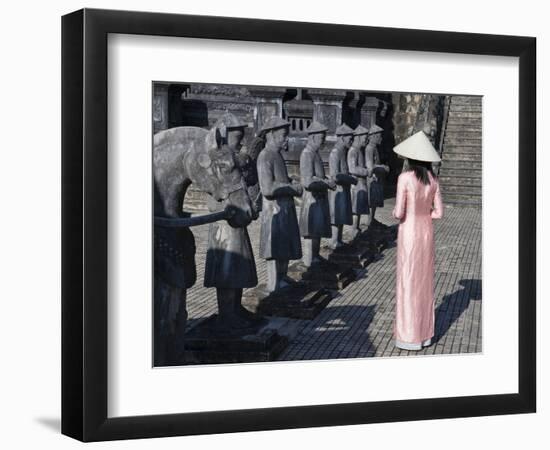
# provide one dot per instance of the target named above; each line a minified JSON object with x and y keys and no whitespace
{"x":419,"y":147}
{"x":375,"y":129}
{"x":316,"y":127}
{"x":274,"y":123}
{"x":343,"y":130}
{"x":230,"y":121}
{"x":360,"y":130}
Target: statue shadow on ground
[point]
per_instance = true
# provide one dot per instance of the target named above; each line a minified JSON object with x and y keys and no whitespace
{"x":342,"y":332}
{"x":454,"y":304}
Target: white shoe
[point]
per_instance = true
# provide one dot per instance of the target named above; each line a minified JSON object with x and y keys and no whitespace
{"x":412,"y":346}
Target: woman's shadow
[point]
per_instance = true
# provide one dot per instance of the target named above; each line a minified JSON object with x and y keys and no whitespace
{"x":454,"y":304}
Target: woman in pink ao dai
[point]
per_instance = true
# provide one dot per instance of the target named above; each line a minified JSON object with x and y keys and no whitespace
{"x":418,"y":202}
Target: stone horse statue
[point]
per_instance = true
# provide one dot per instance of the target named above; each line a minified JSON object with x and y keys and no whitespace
{"x":183,"y":156}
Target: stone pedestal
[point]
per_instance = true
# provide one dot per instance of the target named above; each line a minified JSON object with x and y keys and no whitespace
{"x":300,"y":301}
{"x":350,"y":255}
{"x":207,"y":344}
{"x":374,"y":241}
{"x":365,"y":248}
{"x":322,"y":275}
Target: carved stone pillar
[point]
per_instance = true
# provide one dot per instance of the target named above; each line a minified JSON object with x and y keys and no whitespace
{"x":160,"y":107}
{"x":367,"y":111}
{"x":327,"y":108}
{"x":268,"y":102}
{"x":206,"y":103}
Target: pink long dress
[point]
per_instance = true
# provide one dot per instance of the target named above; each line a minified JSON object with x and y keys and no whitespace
{"x":416,"y":204}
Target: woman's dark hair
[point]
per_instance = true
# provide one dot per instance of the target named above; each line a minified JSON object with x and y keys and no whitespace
{"x":421,"y":169}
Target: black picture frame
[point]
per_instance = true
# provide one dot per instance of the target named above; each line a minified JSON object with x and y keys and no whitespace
{"x":84,"y":224}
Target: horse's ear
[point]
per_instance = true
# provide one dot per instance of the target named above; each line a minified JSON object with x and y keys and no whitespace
{"x":213,"y":140}
{"x":219,"y":137}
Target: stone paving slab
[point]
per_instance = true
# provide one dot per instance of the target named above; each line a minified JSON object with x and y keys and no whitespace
{"x":358,"y":322}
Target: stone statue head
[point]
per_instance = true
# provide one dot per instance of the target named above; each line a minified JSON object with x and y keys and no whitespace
{"x":344,"y":136}
{"x":278,"y":138}
{"x":228,"y":130}
{"x":361,"y":135}
{"x":375,"y":138}
{"x":234,"y":138}
{"x":316,"y":140}
{"x":276,"y":132}
{"x":375,"y":134}
{"x":317,"y":134}
{"x":346,"y":140}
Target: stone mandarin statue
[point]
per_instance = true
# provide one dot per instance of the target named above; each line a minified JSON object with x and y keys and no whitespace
{"x":229,"y":265}
{"x":377,"y":172}
{"x":357,"y":167}
{"x":340,"y":198}
{"x":279,"y":233}
{"x":315,"y":212}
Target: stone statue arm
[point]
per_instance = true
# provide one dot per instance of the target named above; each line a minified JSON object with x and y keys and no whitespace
{"x":437,"y":211}
{"x":377,"y":163}
{"x":369,"y":160}
{"x":354,"y":168}
{"x":336,"y":174}
{"x":270,"y":188}
{"x":335,"y":171}
{"x":309,"y":181}
{"x":345,"y":179}
{"x":193,"y":221}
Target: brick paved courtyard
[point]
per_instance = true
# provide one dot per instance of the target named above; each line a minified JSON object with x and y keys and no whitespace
{"x":358,"y":322}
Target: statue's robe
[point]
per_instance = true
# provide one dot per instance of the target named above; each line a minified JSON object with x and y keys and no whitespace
{"x":279,"y":233}
{"x":359,"y":192}
{"x":315,"y":213}
{"x":340,"y":199}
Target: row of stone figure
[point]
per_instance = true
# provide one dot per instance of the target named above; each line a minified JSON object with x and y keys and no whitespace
{"x":352,"y":188}
{"x":238,"y":184}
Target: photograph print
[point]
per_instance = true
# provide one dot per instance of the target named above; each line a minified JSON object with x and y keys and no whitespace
{"x":297,"y":223}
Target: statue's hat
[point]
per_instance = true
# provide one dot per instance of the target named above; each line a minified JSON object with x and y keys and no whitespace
{"x":360,"y":130}
{"x":274,"y":123}
{"x":419,"y":147}
{"x":230,"y":120}
{"x":375,"y":129}
{"x":316,"y":127}
{"x":343,"y":130}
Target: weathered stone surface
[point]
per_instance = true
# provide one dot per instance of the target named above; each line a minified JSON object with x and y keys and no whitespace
{"x":464,"y":148}
{"x":464,"y":172}
{"x":463,"y":199}
{"x":459,"y":164}
{"x":468,"y":127}
{"x":467,"y":131}
{"x":470,"y":156}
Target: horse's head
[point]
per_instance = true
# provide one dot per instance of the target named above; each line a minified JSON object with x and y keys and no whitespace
{"x":230,"y":187}
{"x":222,"y":161}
